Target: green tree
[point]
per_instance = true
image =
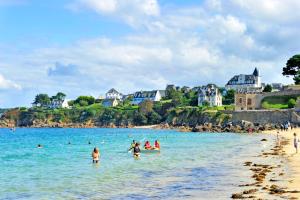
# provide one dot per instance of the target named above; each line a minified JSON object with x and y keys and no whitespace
{"x":42,"y":99}
{"x":228,"y":98}
{"x":89,"y":99}
{"x":83,"y":103}
{"x":291,"y":103}
{"x":154,"y":118}
{"x":139,"y":118}
{"x":146,"y":106}
{"x":59,"y":96}
{"x":292,"y":68}
{"x":268,"y":88}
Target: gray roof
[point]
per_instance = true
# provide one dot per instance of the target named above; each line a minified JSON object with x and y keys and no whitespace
{"x":145,"y":94}
{"x":113,"y":90}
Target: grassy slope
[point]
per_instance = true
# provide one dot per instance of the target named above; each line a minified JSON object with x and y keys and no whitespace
{"x":277,"y":102}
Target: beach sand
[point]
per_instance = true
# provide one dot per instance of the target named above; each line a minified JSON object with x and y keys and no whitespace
{"x":292,"y":161}
{"x":276,"y":171}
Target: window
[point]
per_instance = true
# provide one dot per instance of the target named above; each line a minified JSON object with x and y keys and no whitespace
{"x":249,"y":101}
{"x":241,"y":100}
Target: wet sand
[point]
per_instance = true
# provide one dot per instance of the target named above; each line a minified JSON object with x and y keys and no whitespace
{"x":275,"y":172}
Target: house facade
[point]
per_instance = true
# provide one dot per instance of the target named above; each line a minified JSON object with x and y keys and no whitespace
{"x":113,"y":94}
{"x":110,"y":102}
{"x":246,"y":101}
{"x":154,"y":95}
{"x":244,"y":81}
{"x":209,"y":94}
{"x":56,"y":103}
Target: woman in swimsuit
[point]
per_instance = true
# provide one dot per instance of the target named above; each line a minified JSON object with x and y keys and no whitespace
{"x":95,"y":155}
{"x":136,"y":150}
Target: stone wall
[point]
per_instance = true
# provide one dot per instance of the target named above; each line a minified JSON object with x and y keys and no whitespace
{"x":256,"y":98}
{"x":267,"y":116}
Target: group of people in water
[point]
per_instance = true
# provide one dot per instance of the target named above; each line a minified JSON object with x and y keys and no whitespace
{"x":135,"y":146}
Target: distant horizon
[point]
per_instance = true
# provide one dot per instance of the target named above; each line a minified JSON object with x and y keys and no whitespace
{"x":86,"y":47}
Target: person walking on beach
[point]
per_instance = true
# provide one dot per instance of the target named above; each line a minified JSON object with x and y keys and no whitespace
{"x":296,"y":140}
{"x":95,"y":155}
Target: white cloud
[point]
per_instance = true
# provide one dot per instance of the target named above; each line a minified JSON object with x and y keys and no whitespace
{"x":278,"y":11}
{"x":181,"y":45}
{"x":8,"y":84}
{"x":133,"y":12}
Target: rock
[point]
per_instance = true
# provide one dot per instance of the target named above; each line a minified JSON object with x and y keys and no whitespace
{"x":251,"y":191}
{"x":237,"y":196}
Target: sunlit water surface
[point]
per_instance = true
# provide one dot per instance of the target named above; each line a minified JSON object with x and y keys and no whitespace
{"x":190,"y":165}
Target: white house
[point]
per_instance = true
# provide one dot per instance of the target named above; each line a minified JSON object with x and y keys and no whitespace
{"x":244,"y":81}
{"x":210,"y":94}
{"x":55,"y":103}
{"x":113,"y":94}
{"x":154,"y":95}
{"x":110,"y":102}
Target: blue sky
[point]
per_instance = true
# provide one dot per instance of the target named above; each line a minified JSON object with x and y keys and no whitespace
{"x":85,"y":47}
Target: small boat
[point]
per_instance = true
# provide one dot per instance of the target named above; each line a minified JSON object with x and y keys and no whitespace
{"x":150,"y":150}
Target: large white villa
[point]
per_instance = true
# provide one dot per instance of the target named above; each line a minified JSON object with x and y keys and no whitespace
{"x":209,"y":94}
{"x":244,"y":81}
{"x":154,"y":95}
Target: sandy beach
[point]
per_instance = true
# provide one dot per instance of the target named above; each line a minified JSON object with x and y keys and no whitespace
{"x":276,"y":171}
{"x":292,"y":161}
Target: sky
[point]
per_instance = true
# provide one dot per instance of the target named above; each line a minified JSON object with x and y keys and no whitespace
{"x":86,"y":47}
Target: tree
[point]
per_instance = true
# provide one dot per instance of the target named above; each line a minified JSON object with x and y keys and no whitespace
{"x":146,"y":106}
{"x":59,"y":96}
{"x":268,"y":88}
{"x":291,"y":103}
{"x":228,"y":98}
{"x":297,"y":78}
{"x":89,"y":99}
{"x":292,"y":68}
{"x":42,"y":99}
{"x":153,"y":118}
{"x":139,"y":118}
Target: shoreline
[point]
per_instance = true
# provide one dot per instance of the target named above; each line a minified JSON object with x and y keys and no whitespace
{"x":276,"y":170}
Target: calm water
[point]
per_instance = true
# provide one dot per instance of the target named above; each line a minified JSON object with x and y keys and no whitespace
{"x":190,"y":165}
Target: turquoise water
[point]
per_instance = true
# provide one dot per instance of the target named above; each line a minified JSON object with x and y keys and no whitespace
{"x":190,"y":165}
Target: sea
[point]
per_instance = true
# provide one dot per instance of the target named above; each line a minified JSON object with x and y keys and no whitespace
{"x":189,"y":165}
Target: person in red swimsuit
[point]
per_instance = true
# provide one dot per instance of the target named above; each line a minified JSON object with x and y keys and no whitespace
{"x":147,"y":145}
{"x":157,"y":145}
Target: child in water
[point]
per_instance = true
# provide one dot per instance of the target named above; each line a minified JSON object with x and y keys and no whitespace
{"x":95,"y":155}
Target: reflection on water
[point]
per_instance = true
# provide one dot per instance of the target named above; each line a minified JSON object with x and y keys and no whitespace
{"x":189,"y":166}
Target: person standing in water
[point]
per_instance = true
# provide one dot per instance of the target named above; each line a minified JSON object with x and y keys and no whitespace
{"x":136,"y":150}
{"x":132,"y":145}
{"x":296,"y":140}
{"x":95,"y":155}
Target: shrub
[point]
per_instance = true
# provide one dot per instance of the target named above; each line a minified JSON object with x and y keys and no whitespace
{"x":291,"y":103}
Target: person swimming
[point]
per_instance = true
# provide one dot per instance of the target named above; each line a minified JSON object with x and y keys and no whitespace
{"x":136,"y":150}
{"x":39,"y":146}
{"x":147,"y":145}
{"x":157,"y":145}
{"x":95,"y":155}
